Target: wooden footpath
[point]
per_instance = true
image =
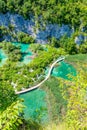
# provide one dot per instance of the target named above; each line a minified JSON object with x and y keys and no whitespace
{"x":48,"y":75}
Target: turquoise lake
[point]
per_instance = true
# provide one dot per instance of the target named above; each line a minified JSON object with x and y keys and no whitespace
{"x":3,"y":57}
{"x":24,"y":48}
{"x":36,"y":107}
{"x":63,"y":70}
{"x":34,"y":101}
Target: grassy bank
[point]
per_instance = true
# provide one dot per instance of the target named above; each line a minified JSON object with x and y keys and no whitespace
{"x":79,"y":61}
{"x":77,"y":58}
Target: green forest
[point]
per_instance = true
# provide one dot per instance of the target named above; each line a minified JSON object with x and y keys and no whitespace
{"x":72,"y":12}
{"x":60,"y":102}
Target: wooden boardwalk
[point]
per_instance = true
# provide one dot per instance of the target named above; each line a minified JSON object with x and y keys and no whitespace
{"x":48,"y":75}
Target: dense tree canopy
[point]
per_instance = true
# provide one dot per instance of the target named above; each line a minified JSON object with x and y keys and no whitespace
{"x":77,"y":103}
{"x":7,"y":95}
{"x":69,"y":98}
{"x":21,"y":76}
{"x":11,"y":118}
{"x":57,"y":11}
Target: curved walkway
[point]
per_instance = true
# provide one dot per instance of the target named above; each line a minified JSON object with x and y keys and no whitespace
{"x":49,"y":73}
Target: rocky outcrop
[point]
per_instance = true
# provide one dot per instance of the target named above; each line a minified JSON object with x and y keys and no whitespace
{"x":27,"y":26}
{"x":53,"y":30}
{"x":79,"y":39}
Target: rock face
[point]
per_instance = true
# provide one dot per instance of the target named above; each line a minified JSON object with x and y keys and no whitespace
{"x":53,"y":30}
{"x":27,"y":26}
{"x":79,"y":39}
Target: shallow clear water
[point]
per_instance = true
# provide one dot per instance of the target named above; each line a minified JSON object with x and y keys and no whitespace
{"x":3,"y":57}
{"x":35,"y":105}
{"x":25,"y":50}
{"x":63,"y":70}
{"x":35,"y":100}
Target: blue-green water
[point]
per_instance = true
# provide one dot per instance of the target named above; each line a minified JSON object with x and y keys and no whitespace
{"x":63,"y":70}
{"x":25,"y":50}
{"x":35,"y":105}
{"x":3,"y":57}
{"x":24,"y":47}
{"x":35,"y":100}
